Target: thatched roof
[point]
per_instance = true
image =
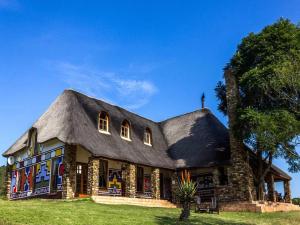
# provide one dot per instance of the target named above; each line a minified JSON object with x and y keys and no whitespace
{"x":72,"y":118}
{"x":196,"y":139}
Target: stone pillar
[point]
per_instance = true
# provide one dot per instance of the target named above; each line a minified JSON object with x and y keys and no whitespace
{"x":155,"y":183}
{"x":69,"y":177}
{"x":93,"y":176}
{"x":174,"y":186}
{"x":240,"y":176}
{"x":287,"y":191}
{"x":271,"y":189}
{"x":130,"y":181}
{"x":8,"y":181}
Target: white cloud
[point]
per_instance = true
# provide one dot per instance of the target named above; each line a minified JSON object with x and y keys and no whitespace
{"x":110,"y":86}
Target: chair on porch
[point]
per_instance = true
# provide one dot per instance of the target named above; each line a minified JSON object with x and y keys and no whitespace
{"x":207,"y":206}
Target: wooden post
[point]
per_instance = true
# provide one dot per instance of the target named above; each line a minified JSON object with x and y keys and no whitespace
{"x":271,"y":189}
{"x":287,"y":192}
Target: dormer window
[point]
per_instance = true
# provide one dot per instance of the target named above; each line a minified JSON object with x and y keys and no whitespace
{"x":125,"y":130}
{"x":103,"y":124}
{"x":32,"y":142}
{"x":148,"y":137}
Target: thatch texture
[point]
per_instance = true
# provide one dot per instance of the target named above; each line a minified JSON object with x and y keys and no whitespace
{"x":196,"y":139}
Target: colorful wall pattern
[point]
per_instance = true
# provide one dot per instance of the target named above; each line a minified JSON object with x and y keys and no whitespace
{"x":38,"y":175}
{"x":115,"y":181}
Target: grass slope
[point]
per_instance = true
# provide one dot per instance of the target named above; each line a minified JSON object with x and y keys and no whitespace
{"x":87,"y":212}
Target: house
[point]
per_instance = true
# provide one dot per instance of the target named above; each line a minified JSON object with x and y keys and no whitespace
{"x":84,"y":146}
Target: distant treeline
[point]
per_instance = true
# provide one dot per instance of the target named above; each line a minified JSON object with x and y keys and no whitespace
{"x":296,"y":201}
{"x":2,"y":180}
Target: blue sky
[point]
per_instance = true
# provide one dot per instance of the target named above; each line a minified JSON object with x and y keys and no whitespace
{"x":152,"y":57}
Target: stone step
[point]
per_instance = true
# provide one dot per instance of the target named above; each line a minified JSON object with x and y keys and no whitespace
{"x":259,"y":207}
{"x":133,"y":201}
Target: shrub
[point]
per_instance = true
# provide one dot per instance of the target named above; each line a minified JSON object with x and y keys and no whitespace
{"x":2,"y":180}
{"x":185,"y":193}
{"x":296,"y":201}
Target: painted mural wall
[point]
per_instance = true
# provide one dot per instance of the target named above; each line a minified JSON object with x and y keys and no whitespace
{"x":38,"y":173}
{"x":115,"y":181}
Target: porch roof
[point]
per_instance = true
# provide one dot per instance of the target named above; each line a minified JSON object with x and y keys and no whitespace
{"x":279,"y":174}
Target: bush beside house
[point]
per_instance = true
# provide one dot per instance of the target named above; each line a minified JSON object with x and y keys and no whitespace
{"x":296,"y":201}
{"x":2,"y":180}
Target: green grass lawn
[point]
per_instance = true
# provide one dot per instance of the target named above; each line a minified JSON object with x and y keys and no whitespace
{"x":87,"y":212}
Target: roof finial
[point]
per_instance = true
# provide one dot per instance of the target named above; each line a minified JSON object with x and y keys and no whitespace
{"x":203,"y":100}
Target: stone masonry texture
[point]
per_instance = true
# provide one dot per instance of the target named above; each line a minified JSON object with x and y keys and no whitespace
{"x":240,"y":173}
{"x":69,"y":177}
{"x":155,"y":183}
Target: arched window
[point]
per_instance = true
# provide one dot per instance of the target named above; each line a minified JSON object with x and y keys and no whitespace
{"x":103,"y":125}
{"x":148,"y":137}
{"x":125,"y":130}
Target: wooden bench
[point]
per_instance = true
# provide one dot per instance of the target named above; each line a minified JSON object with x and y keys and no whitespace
{"x":207,"y":206}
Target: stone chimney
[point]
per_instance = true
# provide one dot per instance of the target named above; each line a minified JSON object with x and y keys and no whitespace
{"x":240,"y":173}
{"x":203,"y":101}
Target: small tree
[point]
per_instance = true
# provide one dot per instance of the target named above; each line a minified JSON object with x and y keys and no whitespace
{"x":185,"y":193}
{"x":296,"y":201}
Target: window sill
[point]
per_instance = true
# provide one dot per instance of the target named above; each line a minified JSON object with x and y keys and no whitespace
{"x":148,"y":144}
{"x":104,"y":132}
{"x":126,"y":139}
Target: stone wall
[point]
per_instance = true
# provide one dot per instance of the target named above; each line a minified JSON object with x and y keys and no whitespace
{"x":155,"y":183}
{"x":240,"y":173}
{"x":258,"y":207}
{"x":69,"y":177}
{"x":93,"y":176}
{"x":8,"y":181}
{"x":223,"y":192}
{"x":130,"y":181}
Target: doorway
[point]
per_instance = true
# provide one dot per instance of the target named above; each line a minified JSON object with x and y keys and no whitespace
{"x":165,"y":187}
{"x":81,"y":178}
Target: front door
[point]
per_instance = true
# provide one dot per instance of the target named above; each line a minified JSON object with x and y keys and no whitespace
{"x":165,"y":187}
{"x":161,"y":185}
{"x":81,"y":178}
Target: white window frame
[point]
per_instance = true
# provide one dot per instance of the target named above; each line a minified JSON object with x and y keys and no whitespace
{"x":148,"y":136}
{"x":104,"y":121}
{"x":128,"y":127}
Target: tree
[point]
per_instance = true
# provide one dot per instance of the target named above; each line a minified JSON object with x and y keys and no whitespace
{"x":266,"y":67}
{"x":2,"y":180}
{"x":296,"y":201}
{"x":185,"y":193}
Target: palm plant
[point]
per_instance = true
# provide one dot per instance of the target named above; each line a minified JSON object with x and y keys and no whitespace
{"x":185,"y":193}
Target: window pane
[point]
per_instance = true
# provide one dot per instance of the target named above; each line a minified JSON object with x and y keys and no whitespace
{"x":147,"y":137}
{"x":103,"y":122}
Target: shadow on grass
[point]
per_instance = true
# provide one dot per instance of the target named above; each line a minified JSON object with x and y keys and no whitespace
{"x":165,"y":220}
